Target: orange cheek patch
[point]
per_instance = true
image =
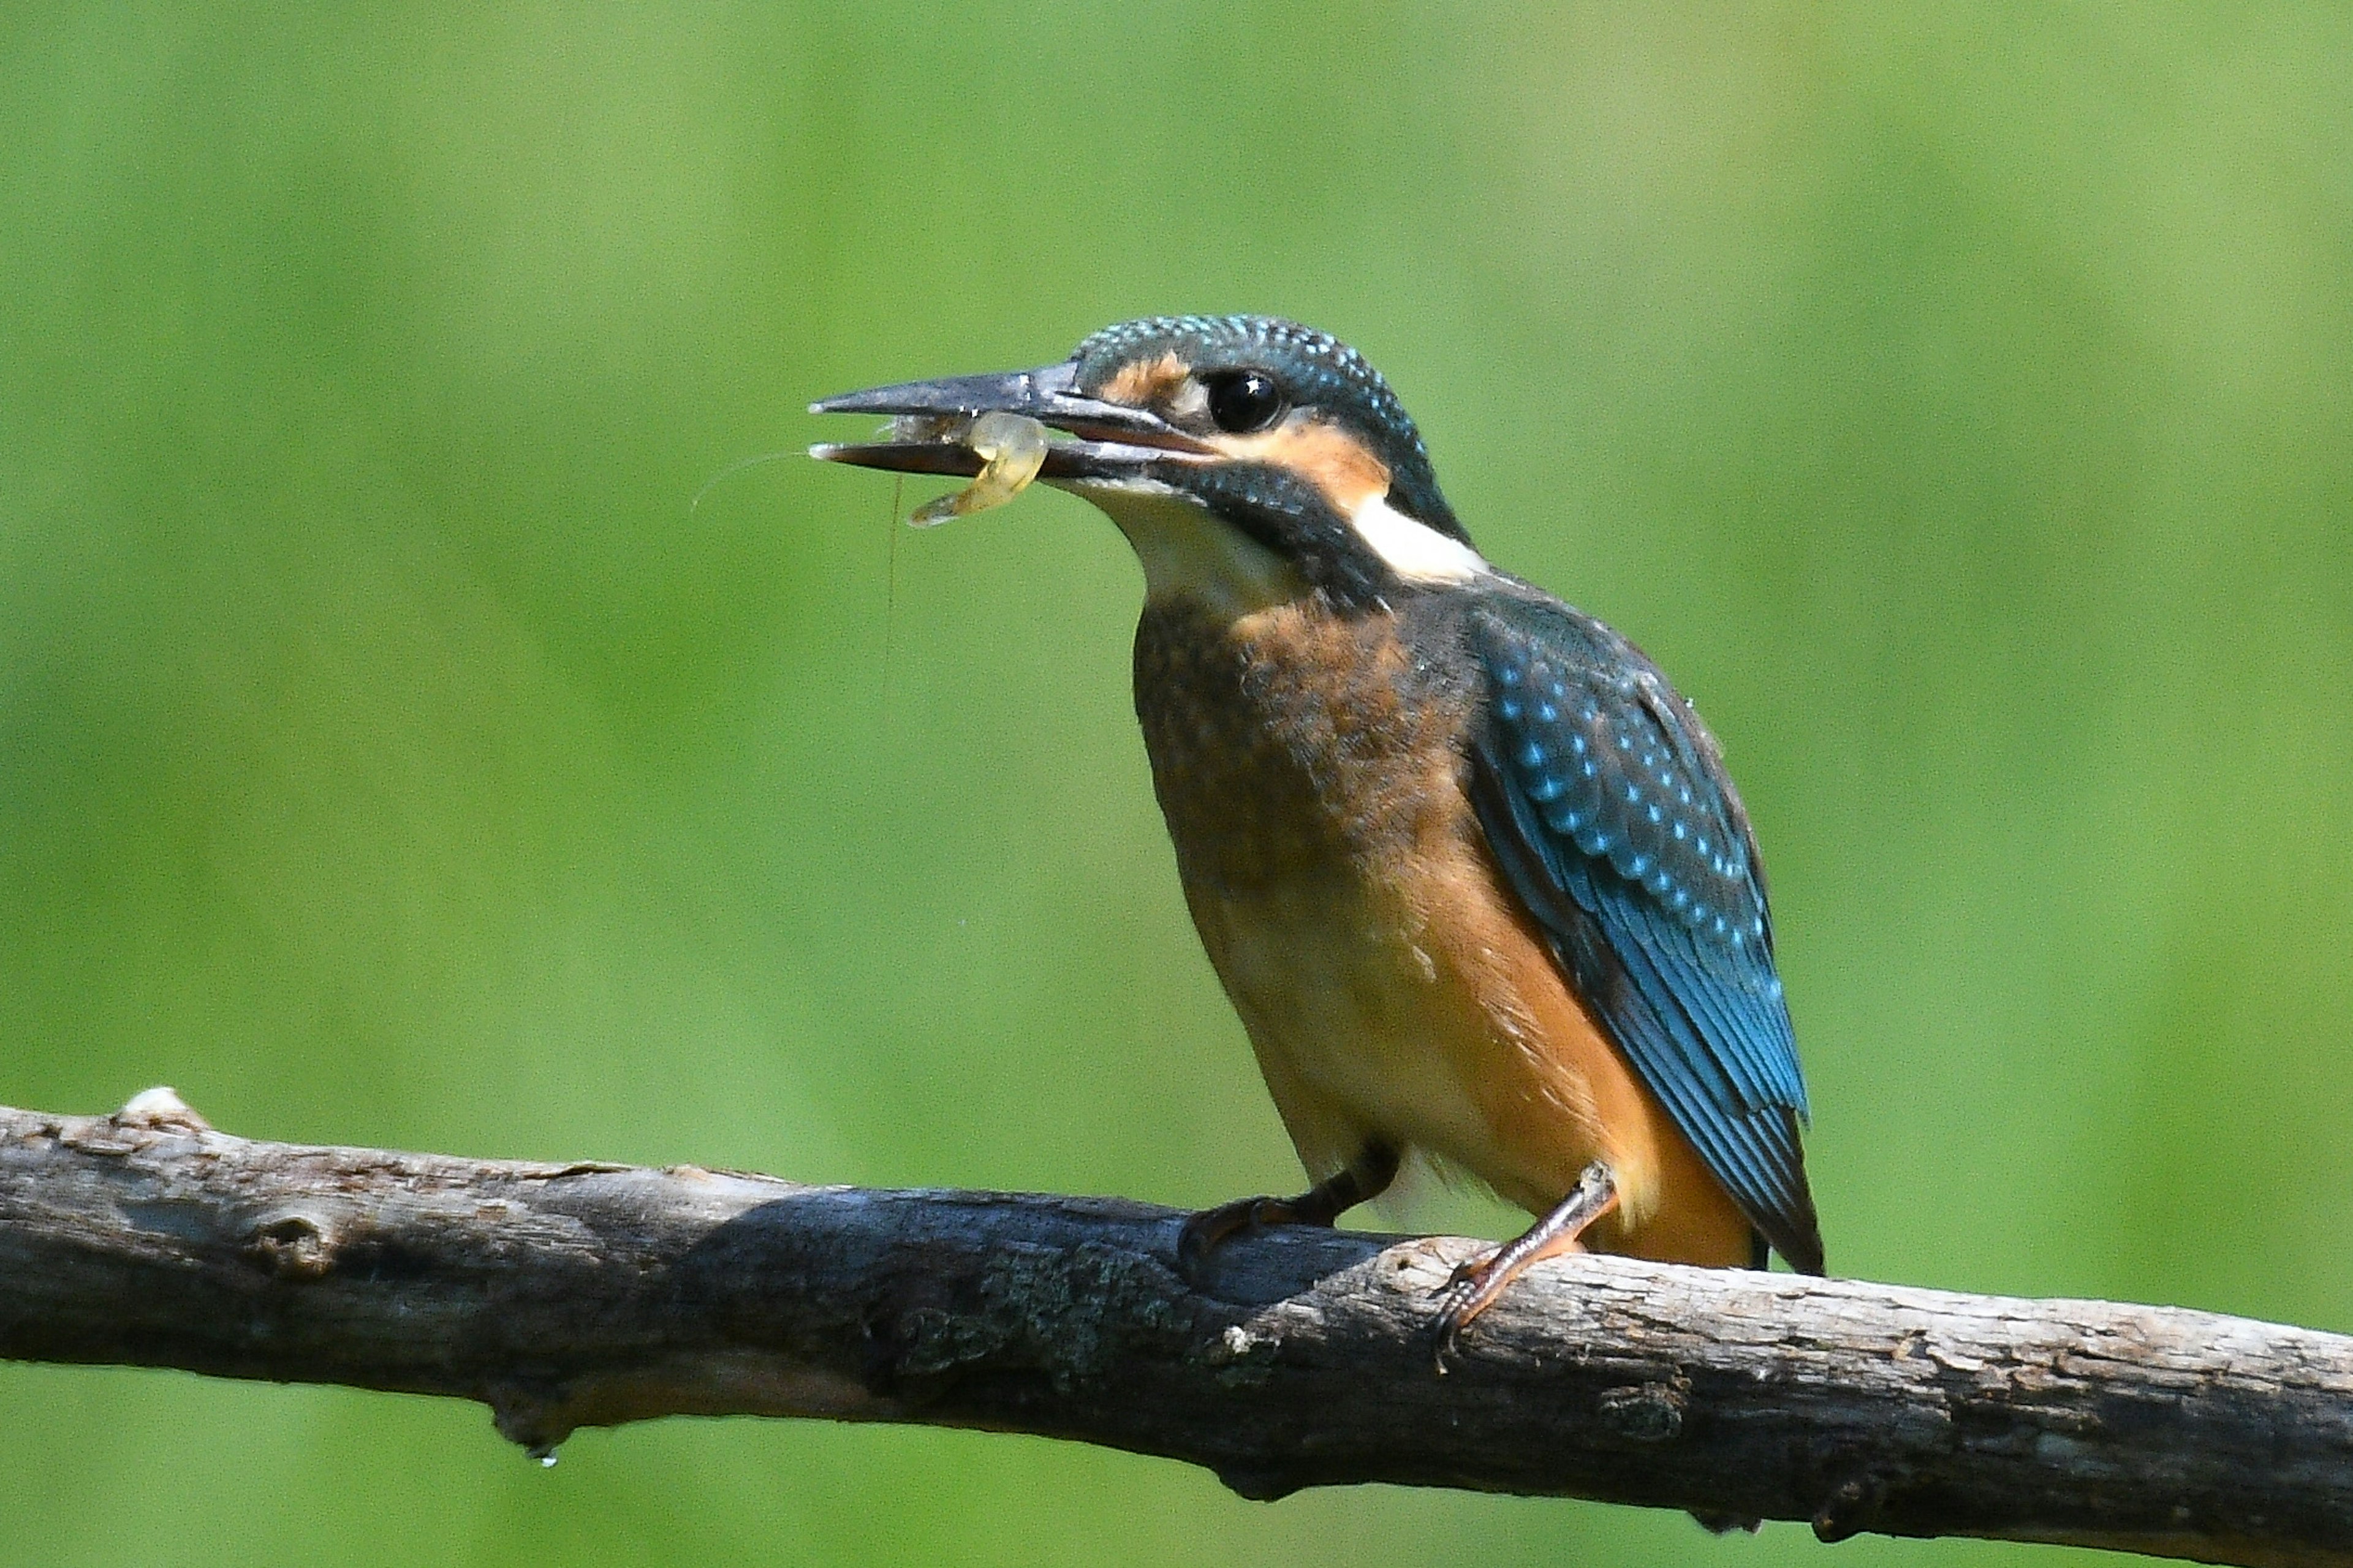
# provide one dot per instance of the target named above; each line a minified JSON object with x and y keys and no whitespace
{"x":1336,"y":462}
{"x":1145,"y":380}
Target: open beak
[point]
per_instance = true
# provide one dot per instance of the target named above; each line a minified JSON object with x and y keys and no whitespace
{"x":1107,"y":442}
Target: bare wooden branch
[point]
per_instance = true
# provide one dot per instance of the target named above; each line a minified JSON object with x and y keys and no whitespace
{"x":564,"y":1295}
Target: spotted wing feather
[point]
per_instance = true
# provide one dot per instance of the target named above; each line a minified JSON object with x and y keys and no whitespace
{"x":1611,"y":813}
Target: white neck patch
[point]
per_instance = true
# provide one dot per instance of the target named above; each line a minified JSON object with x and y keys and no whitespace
{"x":1414,"y":551}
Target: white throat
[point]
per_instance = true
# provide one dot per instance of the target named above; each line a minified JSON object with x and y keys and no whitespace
{"x":1187,"y":549}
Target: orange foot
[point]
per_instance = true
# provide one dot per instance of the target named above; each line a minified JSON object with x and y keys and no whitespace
{"x":1322,"y":1203}
{"x":1475,"y":1287}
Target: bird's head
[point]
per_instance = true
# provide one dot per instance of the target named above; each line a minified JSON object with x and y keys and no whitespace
{"x":1248,"y":460}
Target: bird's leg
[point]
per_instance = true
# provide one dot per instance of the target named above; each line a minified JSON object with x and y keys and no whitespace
{"x":1475,"y":1285}
{"x":1365,"y":1177}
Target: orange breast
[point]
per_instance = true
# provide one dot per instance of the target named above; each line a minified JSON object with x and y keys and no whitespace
{"x":1312,"y":775}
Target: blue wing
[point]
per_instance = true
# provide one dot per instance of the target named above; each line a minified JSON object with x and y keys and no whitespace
{"x":1609,"y":811}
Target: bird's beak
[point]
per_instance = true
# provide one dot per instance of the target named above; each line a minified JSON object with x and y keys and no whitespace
{"x":1108,"y":442}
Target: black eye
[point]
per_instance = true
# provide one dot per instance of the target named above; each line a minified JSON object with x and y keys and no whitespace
{"x":1242,"y":401}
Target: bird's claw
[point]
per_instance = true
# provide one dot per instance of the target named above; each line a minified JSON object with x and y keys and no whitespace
{"x":1204,"y":1232}
{"x":1458,"y":1302}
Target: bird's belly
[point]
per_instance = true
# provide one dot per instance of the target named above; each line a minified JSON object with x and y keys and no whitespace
{"x":1315,"y":781}
{"x":1405,"y":999}
{"x":1413,"y":1005}
{"x":1366,"y":1028}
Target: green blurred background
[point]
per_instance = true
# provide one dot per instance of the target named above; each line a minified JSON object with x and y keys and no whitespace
{"x":1955,"y":400}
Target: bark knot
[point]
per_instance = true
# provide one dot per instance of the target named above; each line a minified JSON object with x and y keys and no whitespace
{"x":290,"y":1247}
{"x":1643,"y":1412}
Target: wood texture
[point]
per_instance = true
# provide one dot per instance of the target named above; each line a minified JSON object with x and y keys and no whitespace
{"x":573,"y":1295}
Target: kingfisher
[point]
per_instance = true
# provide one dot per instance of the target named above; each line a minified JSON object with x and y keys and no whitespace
{"x":1472,"y":873}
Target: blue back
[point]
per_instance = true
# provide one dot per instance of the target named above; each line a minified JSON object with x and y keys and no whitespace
{"x":1611,"y":813}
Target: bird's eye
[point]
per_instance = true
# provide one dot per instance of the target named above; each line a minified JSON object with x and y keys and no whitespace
{"x":1242,"y":401}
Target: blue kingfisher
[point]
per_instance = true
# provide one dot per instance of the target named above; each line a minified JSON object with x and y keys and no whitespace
{"x":1471,"y":872}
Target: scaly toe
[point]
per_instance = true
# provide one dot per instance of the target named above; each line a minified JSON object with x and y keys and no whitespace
{"x":1453,"y":1313}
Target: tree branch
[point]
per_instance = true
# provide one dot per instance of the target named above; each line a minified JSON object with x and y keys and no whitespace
{"x":567,"y":1295}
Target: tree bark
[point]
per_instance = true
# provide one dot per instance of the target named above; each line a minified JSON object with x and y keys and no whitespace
{"x":571,"y":1295}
